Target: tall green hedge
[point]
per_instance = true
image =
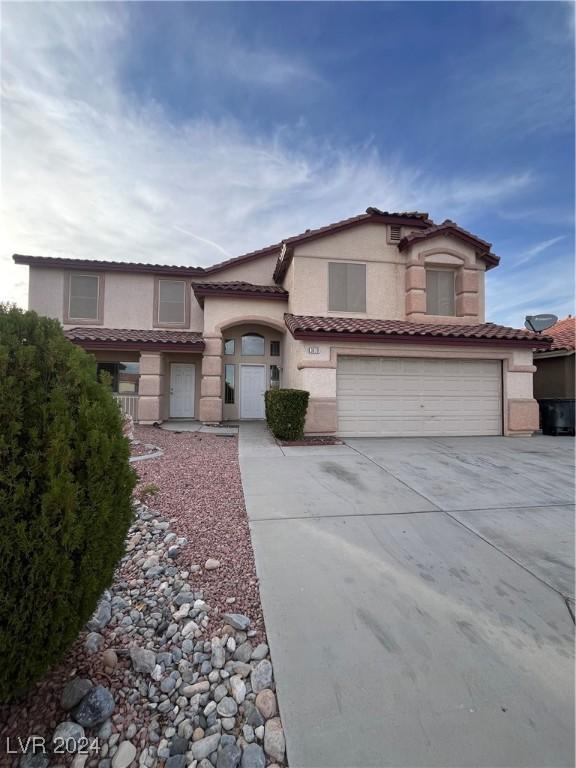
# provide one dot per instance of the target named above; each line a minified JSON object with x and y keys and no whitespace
{"x":286,"y":412}
{"x":65,"y":494}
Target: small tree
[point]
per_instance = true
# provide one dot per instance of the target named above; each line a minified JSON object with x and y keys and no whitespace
{"x":65,"y":494}
{"x":286,"y":412}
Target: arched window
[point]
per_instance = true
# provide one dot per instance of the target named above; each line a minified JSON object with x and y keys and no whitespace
{"x":252,"y":344}
{"x":229,"y":347}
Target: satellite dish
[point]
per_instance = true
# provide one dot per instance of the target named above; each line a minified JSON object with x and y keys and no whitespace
{"x":539,"y":323}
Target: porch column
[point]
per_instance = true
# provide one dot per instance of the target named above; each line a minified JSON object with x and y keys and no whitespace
{"x":211,"y":385}
{"x":150,"y":388}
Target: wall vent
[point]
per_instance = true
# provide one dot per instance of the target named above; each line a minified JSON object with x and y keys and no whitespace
{"x":395,"y":233}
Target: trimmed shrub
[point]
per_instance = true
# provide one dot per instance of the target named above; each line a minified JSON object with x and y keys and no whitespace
{"x":65,"y":494}
{"x":286,"y":412}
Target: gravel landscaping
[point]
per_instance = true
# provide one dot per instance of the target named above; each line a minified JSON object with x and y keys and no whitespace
{"x":173,"y":669}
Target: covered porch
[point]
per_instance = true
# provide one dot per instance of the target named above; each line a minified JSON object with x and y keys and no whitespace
{"x":155,"y":375}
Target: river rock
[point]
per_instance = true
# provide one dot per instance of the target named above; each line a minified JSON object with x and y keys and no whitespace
{"x":228,"y":756}
{"x":237,"y":621}
{"x":74,"y":692}
{"x":143,"y":660}
{"x":261,"y":676}
{"x":95,"y":707}
{"x":253,"y":757}
{"x":124,"y":756}
{"x":274,"y":741}
{"x":67,"y":736}
{"x":266,"y":703}
{"x":205,"y":747}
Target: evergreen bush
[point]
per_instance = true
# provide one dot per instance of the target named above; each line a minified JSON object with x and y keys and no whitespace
{"x":286,"y":412}
{"x":65,"y":494}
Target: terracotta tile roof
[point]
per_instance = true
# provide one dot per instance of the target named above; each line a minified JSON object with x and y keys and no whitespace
{"x":563,"y":335}
{"x":415,"y":218}
{"x":451,"y":228}
{"x":283,"y":249}
{"x":108,"y":266}
{"x":239,"y":289}
{"x":267,"y":251}
{"x":400,"y":330}
{"x":138,"y":266}
{"x":124,"y":338}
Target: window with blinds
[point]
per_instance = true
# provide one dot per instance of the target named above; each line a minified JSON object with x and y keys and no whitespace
{"x":83,"y":299}
{"x":172,"y":302}
{"x":346,"y":287}
{"x":440,"y":292}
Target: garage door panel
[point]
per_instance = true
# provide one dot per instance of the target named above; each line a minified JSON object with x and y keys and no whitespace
{"x":412,"y":396}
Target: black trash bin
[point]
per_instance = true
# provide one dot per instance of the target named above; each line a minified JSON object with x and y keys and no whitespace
{"x":557,"y":416}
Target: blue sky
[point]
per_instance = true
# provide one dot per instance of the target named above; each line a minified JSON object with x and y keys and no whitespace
{"x":187,"y":132}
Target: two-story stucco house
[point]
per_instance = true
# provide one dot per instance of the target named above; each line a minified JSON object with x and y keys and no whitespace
{"x":380,"y":317}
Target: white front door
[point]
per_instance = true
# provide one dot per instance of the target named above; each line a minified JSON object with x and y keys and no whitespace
{"x":252,"y":388}
{"x":182,"y":381}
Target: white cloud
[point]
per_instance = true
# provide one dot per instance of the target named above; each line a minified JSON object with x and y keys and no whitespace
{"x":530,"y":253}
{"x":89,"y":171}
{"x":262,"y":67}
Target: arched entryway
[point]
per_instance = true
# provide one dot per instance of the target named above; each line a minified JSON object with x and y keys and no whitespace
{"x":251,"y":364}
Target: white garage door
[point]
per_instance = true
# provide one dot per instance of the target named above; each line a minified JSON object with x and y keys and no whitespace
{"x":400,"y":396}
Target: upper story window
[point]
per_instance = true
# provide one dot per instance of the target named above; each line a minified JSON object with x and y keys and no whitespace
{"x":346,"y":287}
{"x":274,"y":349}
{"x":172,"y":302}
{"x":83,"y":297}
{"x":440,"y":292}
{"x":252,"y":344}
{"x":229,"y":346}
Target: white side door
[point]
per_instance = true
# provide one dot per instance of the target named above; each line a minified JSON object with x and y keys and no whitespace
{"x":182,"y":388}
{"x":252,"y":388}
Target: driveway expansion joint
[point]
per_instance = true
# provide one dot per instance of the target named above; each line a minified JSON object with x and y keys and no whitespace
{"x":399,"y":479}
{"x":507,"y":555}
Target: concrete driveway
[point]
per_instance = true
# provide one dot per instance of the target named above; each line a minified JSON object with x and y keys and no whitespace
{"x":415,"y":598}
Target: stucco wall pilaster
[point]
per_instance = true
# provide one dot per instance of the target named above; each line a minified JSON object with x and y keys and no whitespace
{"x":521,"y":412}
{"x":523,"y":417}
{"x":151,"y":386}
{"x":322,"y":416}
{"x":211,"y":384}
{"x":415,"y":290}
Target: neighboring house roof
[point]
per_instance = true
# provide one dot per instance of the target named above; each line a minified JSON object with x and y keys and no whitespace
{"x":238,"y":289}
{"x":563,"y":334}
{"x":453,"y":230}
{"x":359,"y":329}
{"x":124,"y":338}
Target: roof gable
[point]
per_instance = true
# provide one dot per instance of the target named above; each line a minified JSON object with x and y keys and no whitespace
{"x":451,"y":229}
{"x":372,"y":216}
